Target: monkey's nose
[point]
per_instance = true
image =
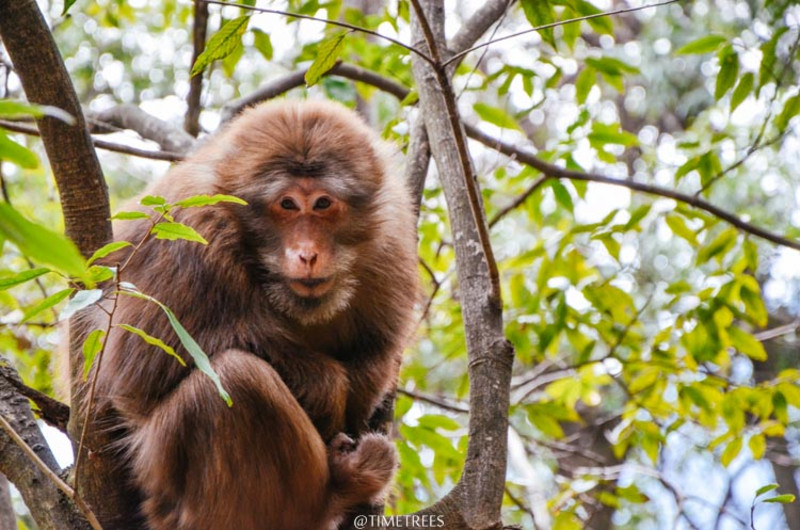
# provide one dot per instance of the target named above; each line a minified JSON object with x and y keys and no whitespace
{"x":308,"y":258}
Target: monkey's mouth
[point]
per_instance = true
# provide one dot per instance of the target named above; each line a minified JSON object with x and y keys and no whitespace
{"x":310,"y":287}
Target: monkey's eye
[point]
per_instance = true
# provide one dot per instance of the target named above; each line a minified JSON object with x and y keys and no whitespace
{"x":288,"y":204}
{"x":322,"y":203}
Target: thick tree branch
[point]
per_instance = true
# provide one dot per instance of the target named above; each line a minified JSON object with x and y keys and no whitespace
{"x":22,"y":447}
{"x":127,"y":116}
{"x":476,"y":500}
{"x":192,"y":121}
{"x":52,"y":411}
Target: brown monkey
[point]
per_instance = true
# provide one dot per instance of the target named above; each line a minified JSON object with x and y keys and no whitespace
{"x":302,"y":299}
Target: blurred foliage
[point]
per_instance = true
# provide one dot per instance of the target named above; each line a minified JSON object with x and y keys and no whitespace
{"x":637,"y":321}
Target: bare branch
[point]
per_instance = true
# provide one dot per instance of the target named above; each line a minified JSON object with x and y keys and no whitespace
{"x":100,"y":144}
{"x":52,"y":411}
{"x":127,"y":116}
{"x":434,"y":400}
{"x":478,"y":24}
{"x":553,"y":171}
{"x":460,"y":55}
{"x":326,"y":21}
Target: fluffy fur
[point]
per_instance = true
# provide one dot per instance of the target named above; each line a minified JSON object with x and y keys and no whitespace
{"x":300,"y":370}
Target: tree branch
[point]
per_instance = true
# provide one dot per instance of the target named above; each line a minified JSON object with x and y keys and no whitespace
{"x":100,"y":144}
{"x":460,"y":55}
{"x":127,"y":116}
{"x":52,"y":411}
{"x":552,"y":171}
{"x":27,"y":461}
{"x":192,"y":121}
{"x":475,"y":502}
{"x":478,"y":24}
{"x":326,"y":21}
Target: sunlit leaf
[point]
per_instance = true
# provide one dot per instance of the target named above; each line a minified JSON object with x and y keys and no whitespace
{"x":262,"y":43}
{"x":17,"y":109}
{"x":223,"y":43}
{"x":16,"y":153}
{"x":199,"y":357}
{"x":742,"y":90}
{"x":496,"y":116}
{"x":154,"y":341}
{"x":728,"y":72}
{"x":6,"y":282}
{"x":46,"y":304}
{"x":327,"y":55}
{"x":39,"y":243}
{"x":208,"y":200}
{"x":706,"y":44}
{"x":173,"y":231}
{"x":91,"y":347}
{"x":786,"y":498}
{"x":82,"y":300}
{"x":108,"y":249}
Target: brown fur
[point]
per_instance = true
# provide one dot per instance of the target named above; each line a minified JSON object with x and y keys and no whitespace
{"x":300,"y":372}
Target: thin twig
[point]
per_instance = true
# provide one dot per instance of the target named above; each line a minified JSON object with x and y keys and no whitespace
{"x":50,"y":474}
{"x":338,"y":23}
{"x":556,"y":24}
{"x":552,"y":171}
{"x":433,"y":400}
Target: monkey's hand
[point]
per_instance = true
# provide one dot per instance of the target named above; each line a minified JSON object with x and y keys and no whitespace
{"x":361,"y":473}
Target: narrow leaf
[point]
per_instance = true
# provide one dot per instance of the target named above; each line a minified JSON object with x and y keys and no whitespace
{"x":327,"y":55}
{"x":173,"y":231}
{"x":91,"y":347}
{"x":728,"y":72}
{"x":790,"y":110}
{"x":153,"y":200}
{"x":200,"y":358}
{"x":127,"y":216}
{"x":709,"y":43}
{"x":149,"y":339}
{"x":17,"y":109}
{"x":263,"y":43}
{"x":16,"y":153}
{"x":208,"y":200}
{"x":223,"y":43}
{"x":786,"y":498}
{"x":747,"y":344}
{"x":108,"y":249}
{"x":47,"y":303}
{"x":80,"y":301}
{"x":39,"y":243}
{"x":21,"y":277}
{"x":742,"y":90}
{"x":764,"y":489}
{"x":496,"y":116}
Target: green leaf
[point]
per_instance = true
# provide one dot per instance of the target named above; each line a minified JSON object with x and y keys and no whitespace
{"x":127,"y":216}
{"x":46,"y":304}
{"x":262,"y":43}
{"x":41,"y":244}
{"x":709,"y":43}
{"x":728,"y":72}
{"x":539,"y":13}
{"x":16,"y":153}
{"x":757,"y":445}
{"x":223,"y":43}
{"x":747,"y":344}
{"x":563,"y":197}
{"x":731,"y":451}
{"x":149,"y":339}
{"x":198,"y":355}
{"x":327,"y":55}
{"x":742,"y":90}
{"x":678,"y":226}
{"x":67,"y":5}
{"x":496,"y":116}
{"x":91,"y":347}
{"x":611,"y":66}
{"x":766,"y":71}
{"x":208,"y":200}
{"x":790,"y":110}
{"x":7,"y":282}
{"x":153,"y":200}
{"x":610,"y":133}
{"x":719,"y":247}
{"x":80,"y":301}
{"x":17,"y":109}
{"x":764,"y":489}
{"x":108,"y":249}
{"x":782,"y":499}
{"x":173,"y":231}
{"x":584,"y":83}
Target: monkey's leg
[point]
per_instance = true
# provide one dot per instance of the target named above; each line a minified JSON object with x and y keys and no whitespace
{"x":258,"y":465}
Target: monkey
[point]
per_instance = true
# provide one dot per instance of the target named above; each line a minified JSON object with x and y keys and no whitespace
{"x":303,"y":300}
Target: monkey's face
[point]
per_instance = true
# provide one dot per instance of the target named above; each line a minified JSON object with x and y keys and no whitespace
{"x":312,"y":255}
